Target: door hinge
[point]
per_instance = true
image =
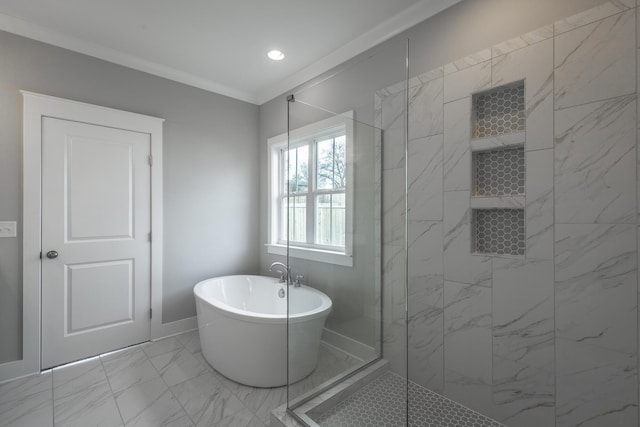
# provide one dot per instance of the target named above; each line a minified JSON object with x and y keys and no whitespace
{"x":150,"y":238}
{"x":151,"y":313}
{"x":150,"y":160}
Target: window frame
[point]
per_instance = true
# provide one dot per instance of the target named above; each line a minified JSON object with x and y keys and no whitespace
{"x":309,"y":135}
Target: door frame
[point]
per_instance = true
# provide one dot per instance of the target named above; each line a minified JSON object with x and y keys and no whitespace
{"x":36,"y":106}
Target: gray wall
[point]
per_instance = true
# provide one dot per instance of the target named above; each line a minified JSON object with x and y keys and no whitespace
{"x":465,"y":28}
{"x":210,"y":169}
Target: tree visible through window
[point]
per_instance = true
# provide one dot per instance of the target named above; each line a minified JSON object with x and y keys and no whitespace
{"x":316,"y":181}
{"x":310,"y":199}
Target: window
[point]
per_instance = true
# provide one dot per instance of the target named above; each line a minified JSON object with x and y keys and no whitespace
{"x":310,"y":187}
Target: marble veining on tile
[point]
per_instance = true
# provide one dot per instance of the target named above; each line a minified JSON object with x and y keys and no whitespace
{"x":522,"y":41}
{"x":425,"y":304}
{"x":534,"y":66}
{"x":457,"y":151}
{"x":523,"y":396}
{"x":596,"y":62}
{"x":595,"y":162}
{"x":460,"y":84}
{"x":82,"y":394}
{"x":594,"y":14}
{"x":467,"y":61}
{"x":425,"y":109}
{"x":539,"y":209}
{"x":27,"y":401}
{"x":595,"y":386}
{"x":459,"y":264}
{"x":425,"y":179}
{"x":467,"y":345}
{"x":149,"y":403}
{"x":597,"y":285}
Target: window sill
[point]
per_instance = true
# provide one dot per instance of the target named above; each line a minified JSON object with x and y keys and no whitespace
{"x":310,"y":254}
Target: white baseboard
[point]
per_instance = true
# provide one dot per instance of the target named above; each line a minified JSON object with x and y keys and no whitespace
{"x":174,"y":328}
{"x":13,"y":370}
{"x":16,"y":369}
{"x":348,"y":345}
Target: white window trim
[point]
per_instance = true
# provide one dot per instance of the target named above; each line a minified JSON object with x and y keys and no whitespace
{"x":310,"y":253}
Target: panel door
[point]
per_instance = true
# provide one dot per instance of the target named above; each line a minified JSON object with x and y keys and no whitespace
{"x":96,"y":222}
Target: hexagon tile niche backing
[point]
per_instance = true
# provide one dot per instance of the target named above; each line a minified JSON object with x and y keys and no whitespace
{"x":499,"y":111}
{"x":499,"y":172}
{"x":499,"y":231}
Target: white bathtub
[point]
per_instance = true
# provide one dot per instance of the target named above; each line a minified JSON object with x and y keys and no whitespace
{"x":243,"y":328}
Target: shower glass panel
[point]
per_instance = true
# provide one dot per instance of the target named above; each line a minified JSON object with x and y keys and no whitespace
{"x":345,"y":205}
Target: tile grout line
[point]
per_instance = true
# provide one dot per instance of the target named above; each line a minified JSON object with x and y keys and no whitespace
{"x":167,"y":385}
{"x":53,"y":403}
{"x":104,"y":370}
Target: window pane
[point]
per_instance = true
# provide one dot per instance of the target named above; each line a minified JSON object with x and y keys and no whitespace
{"x":330,"y":219}
{"x":296,"y":162}
{"x":331,"y":163}
{"x":324,"y":164}
{"x":340,"y":163}
{"x":294,"y":211}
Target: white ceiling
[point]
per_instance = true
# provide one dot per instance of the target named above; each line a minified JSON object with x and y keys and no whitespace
{"x":219,"y":45}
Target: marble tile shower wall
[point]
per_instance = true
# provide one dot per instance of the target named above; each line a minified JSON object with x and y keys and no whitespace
{"x":549,"y":338}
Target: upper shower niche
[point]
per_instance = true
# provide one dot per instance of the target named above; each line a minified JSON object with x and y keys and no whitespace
{"x":498,"y":111}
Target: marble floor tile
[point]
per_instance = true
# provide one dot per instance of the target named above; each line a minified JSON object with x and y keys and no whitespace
{"x":127,"y":369}
{"x":209,"y":403}
{"x":78,"y":376}
{"x":27,"y":403}
{"x":177,"y":366}
{"x":89,"y":406}
{"x":156,"y":348}
{"x":255,"y":422}
{"x":190,"y":341}
{"x":149,"y":404}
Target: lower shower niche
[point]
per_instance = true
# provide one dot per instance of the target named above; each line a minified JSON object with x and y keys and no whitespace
{"x":499,"y":232}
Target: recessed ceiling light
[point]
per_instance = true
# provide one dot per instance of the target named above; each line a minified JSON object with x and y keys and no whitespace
{"x":275,"y":55}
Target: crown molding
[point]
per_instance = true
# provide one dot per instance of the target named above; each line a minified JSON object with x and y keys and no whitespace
{"x":384,"y":31}
{"x":45,"y":35}
{"x":378,"y":34}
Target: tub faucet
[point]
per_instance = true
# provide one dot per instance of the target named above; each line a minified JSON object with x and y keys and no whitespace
{"x":285,"y":272}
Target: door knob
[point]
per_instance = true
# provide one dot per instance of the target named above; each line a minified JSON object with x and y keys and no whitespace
{"x":52,"y":254}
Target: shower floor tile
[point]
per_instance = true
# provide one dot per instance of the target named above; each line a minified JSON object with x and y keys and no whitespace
{"x":383,"y":403}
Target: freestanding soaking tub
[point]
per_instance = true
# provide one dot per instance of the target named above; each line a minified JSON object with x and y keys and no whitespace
{"x":242,"y":321}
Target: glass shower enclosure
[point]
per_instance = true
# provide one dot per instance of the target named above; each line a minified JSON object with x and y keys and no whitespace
{"x":345,"y":229}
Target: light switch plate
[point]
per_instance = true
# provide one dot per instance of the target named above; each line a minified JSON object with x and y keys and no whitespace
{"x":8,"y":229}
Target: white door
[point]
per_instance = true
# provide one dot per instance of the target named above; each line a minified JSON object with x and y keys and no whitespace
{"x":96,"y":222}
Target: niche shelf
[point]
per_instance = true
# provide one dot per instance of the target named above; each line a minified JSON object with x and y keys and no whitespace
{"x":498,"y":171}
{"x":499,"y":231}
{"x":498,"y":111}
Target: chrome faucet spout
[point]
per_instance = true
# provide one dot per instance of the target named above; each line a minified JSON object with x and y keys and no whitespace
{"x":285,"y":272}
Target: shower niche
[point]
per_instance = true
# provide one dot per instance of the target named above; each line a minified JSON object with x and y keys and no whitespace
{"x":498,"y":163}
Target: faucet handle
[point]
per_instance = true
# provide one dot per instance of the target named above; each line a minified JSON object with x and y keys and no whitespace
{"x":299,"y":278}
